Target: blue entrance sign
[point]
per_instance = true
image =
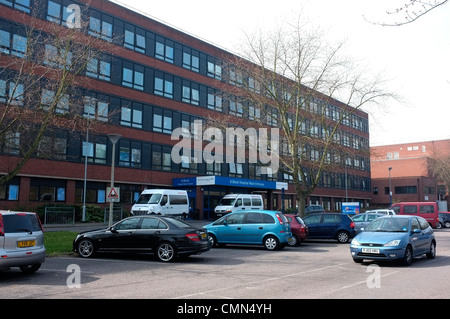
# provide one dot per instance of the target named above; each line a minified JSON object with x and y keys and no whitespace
{"x":228,"y":181}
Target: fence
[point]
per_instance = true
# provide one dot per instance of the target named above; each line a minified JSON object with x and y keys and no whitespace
{"x":117,"y":213}
{"x":59,"y":215}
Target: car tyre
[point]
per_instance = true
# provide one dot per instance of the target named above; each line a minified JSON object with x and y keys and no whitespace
{"x":408,"y":258}
{"x":29,"y":269}
{"x":432,"y":253}
{"x":447,"y":224}
{"x":438,"y":225}
{"x":271,"y":243}
{"x":212,"y":240}
{"x":342,"y":237}
{"x":293,"y":241}
{"x":86,"y":248}
{"x":166,"y":252}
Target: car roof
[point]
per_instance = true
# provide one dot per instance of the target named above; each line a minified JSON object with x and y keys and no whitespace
{"x":9,"y":212}
{"x":257,"y":211}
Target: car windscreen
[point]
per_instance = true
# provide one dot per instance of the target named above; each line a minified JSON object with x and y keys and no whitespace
{"x":18,"y":223}
{"x":388,"y":225}
{"x":226,"y":202}
{"x":149,"y":199}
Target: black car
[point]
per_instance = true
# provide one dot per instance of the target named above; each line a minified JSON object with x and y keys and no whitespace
{"x":166,"y":237}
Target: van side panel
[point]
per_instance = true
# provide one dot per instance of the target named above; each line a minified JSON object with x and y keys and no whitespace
{"x":172,"y":203}
{"x":427,"y":210}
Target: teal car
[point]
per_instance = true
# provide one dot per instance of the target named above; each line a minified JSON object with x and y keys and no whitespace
{"x":256,"y":227}
{"x":398,"y":237}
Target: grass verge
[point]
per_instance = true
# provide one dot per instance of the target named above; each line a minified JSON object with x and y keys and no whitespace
{"x":59,"y":243}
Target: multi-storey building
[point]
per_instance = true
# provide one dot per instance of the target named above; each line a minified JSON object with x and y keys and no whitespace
{"x":148,"y":80}
{"x":401,"y":172}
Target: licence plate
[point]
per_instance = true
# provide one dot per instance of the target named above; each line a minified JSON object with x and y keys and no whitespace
{"x":203,"y":235}
{"x":26,"y":243}
{"x":370,"y":250}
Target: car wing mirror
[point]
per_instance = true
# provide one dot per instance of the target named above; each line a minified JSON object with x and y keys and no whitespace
{"x":112,"y":229}
{"x":416,"y":231}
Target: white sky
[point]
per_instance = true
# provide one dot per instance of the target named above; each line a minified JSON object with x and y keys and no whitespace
{"x":415,"y":57}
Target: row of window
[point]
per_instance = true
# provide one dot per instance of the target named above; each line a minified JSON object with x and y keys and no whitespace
{"x":407,"y":190}
{"x":147,"y":42}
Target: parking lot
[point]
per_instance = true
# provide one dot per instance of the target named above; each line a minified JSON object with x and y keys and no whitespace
{"x":315,"y":269}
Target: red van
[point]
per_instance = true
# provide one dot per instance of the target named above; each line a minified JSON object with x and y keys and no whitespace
{"x":427,"y":210}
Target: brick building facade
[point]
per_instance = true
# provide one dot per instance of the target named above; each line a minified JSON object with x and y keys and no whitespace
{"x":409,"y":168}
{"x":153,"y":79}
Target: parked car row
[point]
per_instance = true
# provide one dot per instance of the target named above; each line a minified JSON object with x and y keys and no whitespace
{"x":376,"y":236}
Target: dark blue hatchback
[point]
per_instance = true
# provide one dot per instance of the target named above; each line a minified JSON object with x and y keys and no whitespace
{"x":330,"y":226}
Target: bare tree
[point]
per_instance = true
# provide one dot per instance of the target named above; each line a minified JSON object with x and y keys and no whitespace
{"x":410,"y":12}
{"x":294,"y":80}
{"x":439,"y":167}
{"x":40,"y":67}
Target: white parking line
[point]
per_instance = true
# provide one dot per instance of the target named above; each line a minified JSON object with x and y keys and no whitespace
{"x":248,"y":284}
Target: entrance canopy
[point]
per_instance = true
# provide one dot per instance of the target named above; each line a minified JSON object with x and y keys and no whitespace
{"x":228,"y":181}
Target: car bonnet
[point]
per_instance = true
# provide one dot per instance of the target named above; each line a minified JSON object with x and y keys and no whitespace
{"x":379,"y":238}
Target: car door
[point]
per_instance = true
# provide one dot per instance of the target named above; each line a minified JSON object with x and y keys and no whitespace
{"x":418,"y":238}
{"x":254,"y":228}
{"x":313,"y":223}
{"x":165,"y":205}
{"x":122,"y":235}
{"x":329,"y":226}
{"x":232,"y":229}
{"x":152,"y":229}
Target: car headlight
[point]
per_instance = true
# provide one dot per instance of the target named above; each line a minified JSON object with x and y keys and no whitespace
{"x":355,"y":242}
{"x":393,"y":243}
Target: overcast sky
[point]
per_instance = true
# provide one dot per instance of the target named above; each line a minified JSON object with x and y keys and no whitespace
{"x":416,"y":56}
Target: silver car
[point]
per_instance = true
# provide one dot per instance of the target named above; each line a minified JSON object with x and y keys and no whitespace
{"x":363,"y":220}
{"x":21,"y":241}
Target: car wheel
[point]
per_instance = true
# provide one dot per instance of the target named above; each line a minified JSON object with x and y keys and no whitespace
{"x":166,"y":252}
{"x":342,"y":237}
{"x":29,"y":269}
{"x":432,"y":253}
{"x":86,"y":248}
{"x":447,"y":224}
{"x":271,"y":243}
{"x":438,"y":225}
{"x":408,"y":258}
{"x":212,"y":240}
{"x":293,"y":241}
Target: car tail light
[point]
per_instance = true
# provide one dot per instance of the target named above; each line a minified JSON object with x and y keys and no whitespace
{"x":279,"y":219}
{"x":193,"y":236}
{"x":40,"y":224}
{"x":2,"y":230}
{"x":352,"y":225}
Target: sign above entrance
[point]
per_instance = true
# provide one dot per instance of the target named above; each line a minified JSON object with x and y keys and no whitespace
{"x":228,"y":181}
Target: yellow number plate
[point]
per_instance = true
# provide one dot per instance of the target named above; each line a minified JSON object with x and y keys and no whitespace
{"x":26,"y":243}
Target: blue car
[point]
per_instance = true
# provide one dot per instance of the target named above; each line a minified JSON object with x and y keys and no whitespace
{"x":330,"y":226}
{"x":256,"y":227}
{"x":398,"y":237}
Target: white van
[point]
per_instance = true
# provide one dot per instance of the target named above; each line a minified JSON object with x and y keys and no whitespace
{"x":169,"y":202}
{"x":235,"y":202}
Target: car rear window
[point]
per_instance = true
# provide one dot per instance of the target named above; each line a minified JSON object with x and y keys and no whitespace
{"x":17,"y":223}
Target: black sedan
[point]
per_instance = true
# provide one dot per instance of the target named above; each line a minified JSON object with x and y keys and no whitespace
{"x":165,"y":237}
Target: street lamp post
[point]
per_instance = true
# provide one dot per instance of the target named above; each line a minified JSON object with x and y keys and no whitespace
{"x":390,"y":187}
{"x":114,"y":138}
